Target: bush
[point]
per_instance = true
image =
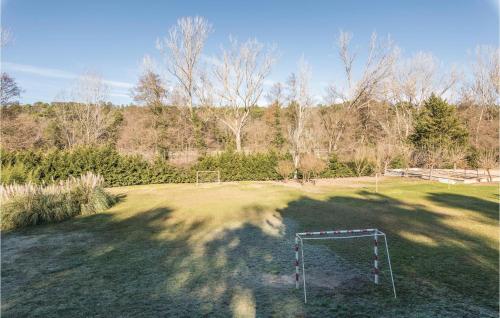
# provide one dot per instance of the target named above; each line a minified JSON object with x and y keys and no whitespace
{"x":472,"y":158}
{"x":488,"y":160}
{"x":337,"y":169}
{"x":397,"y":163}
{"x":362,"y":163}
{"x":285,"y":168}
{"x":123,"y":170}
{"x":236,"y":166}
{"x":30,"y":204}
{"x":311,"y":166}
{"x":15,"y":173}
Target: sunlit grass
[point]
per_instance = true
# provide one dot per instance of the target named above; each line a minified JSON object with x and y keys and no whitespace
{"x":182,"y":250}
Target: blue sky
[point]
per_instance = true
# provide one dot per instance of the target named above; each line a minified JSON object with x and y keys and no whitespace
{"x":56,"y":40}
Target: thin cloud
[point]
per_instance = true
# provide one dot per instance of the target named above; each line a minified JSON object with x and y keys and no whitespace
{"x":120,"y":95}
{"x":55,"y":73}
{"x":39,"y":71}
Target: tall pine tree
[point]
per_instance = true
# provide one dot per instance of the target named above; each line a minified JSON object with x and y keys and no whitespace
{"x":438,"y":126}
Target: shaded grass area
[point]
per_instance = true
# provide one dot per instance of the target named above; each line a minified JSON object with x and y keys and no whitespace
{"x":219,"y":251}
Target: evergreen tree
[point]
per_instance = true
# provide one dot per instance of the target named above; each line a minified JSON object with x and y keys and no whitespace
{"x":438,"y":126}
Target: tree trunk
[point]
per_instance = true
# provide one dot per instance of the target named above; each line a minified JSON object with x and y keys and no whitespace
{"x":237,"y":137}
{"x":296,"y":161}
{"x":478,"y":126}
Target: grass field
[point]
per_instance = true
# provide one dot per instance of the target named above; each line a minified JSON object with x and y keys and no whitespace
{"x":226,"y":250}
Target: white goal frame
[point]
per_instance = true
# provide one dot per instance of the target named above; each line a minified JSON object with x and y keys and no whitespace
{"x":341,"y":234}
{"x":207,"y":171}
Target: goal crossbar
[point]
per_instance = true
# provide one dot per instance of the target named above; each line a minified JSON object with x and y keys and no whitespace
{"x":341,"y":234}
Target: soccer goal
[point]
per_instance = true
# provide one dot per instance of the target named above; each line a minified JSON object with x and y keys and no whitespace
{"x":207,"y":176}
{"x":341,"y":234}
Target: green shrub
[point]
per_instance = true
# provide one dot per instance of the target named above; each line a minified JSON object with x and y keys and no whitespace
{"x":14,"y":173}
{"x":361,"y":168}
{"x":238,"y":166}
{"x":397,"y":163}
{"x":472,"y":158}
{"x":123,"y":170}
{"x":337,"y":169}
{"x":30,"y":204}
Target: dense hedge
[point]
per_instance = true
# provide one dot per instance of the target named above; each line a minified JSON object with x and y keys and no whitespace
{"x":121,"y":170}
{"x":238,"y":167}
{"x":116,"y":169}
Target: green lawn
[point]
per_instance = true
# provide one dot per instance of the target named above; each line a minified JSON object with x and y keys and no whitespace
{"x":226,"y":250}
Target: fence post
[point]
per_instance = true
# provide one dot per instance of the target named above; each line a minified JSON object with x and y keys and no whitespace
{"x":296,"y":263}
{"x":375,"y":258}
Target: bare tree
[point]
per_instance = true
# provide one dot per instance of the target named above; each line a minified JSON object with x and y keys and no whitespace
{"x":182,"y":49}
{"x":331,"y":117}
{"x":152,"y":92}
{"x":68,"y":128}
{"x":311,"y":166}
{"x":456,"y":155}
{"x":285,"y":168}
{"x":300,"y":101}
{"x":407,"y":153}
{"x":385,"y":151}
{"x":276,"y":94}
{"x":485,"y":89}
{"x":431,"y":157}
{"x":488,"y":159}
{"x":89,"y":109}
{"x":9,"y":90}
{"x":412,"y":82}
{"x":240,"y":77}
{"x":416,"y":78}
{"x":361,"y":160}
{"x":5,"y":36}
{"x":358,"y":93}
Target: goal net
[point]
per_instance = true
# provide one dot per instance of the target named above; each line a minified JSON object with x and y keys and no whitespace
{"x":373,"y":247}
{"x":207,"y":176}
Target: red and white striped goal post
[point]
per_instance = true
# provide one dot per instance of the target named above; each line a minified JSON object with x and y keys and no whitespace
{"x":340,"y":234}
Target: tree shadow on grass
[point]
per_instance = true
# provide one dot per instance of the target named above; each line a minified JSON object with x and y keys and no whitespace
{"x":147,"y":265}
{"x":434,"y":262}
{"x":155,"y":264}
{"x":486,"y":208}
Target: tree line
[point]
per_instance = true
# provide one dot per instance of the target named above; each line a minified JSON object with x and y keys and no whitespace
{"x":387,"y":107}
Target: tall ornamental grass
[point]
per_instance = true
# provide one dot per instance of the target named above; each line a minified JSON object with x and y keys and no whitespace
{"x":30,"y":204}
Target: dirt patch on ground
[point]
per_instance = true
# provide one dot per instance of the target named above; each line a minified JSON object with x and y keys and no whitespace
{"x":353,"y":182}
{"x":305,"y":187}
